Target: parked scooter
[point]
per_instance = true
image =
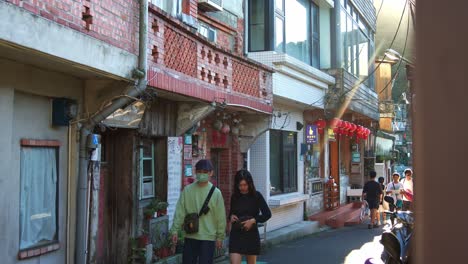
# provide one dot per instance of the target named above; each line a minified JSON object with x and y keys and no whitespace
{"x":397,"y":239}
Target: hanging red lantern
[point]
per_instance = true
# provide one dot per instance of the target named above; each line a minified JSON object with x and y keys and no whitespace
{"x":320,"y":123}
{"x":337,"y":131}
{"x":359,"y":130}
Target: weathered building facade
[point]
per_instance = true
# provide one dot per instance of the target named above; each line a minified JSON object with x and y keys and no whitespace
{"x":204,"y":99}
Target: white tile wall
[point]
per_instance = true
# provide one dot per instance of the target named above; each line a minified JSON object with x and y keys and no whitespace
{"x":259,"y":163}
{"x":294,"y":89}
{"x":284,"y":216}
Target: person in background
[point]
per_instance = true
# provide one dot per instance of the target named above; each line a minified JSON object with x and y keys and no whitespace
{"x":383,"y":204}
{"x":407,"y":190}
{"x":246,"y":205}
{"x":393,"y":189}
{"x":372,"y":193}
{"x":199,"y":247}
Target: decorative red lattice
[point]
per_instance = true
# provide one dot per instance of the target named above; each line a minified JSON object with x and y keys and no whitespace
{"x":245,"y":79}
{"x":180,"y":52}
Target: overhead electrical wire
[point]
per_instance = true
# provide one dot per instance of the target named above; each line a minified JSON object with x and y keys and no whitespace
{"x":400,"y":62}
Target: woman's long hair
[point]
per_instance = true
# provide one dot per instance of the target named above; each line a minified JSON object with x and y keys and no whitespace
{"x":243,"y":175}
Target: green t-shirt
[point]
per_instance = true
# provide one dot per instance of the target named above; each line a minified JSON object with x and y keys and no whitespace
{"x":212,"y":226}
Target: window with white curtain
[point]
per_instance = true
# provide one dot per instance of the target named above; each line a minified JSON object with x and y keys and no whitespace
{"x":38,"y":196}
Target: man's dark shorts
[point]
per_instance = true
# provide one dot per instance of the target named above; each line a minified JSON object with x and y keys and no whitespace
{"x":373,"y":204}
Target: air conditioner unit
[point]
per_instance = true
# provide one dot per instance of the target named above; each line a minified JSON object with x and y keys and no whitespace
{"x":210,"y":5}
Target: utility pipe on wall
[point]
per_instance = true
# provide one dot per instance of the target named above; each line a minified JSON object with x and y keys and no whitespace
{"x":82,"y":214}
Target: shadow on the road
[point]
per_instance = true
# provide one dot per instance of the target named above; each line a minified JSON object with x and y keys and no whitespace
{"x":350,"y":245}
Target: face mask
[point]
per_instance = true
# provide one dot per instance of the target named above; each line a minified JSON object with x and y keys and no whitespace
{"x":202,"y":177}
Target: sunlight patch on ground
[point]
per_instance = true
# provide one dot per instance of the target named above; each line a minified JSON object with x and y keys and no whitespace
{"x":368,"y":250}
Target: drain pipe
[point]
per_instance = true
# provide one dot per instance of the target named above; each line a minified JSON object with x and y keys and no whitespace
{"x":82,"y":214}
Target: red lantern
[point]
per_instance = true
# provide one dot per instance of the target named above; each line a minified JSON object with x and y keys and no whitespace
{"x":359,"y":130}
{"x":320,"y":123}
{"x":353,"y":127}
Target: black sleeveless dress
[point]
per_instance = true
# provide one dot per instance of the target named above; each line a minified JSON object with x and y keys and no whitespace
{"x":247,"y":207}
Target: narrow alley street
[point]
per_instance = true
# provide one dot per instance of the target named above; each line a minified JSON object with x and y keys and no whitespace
{"x":350,"y":245}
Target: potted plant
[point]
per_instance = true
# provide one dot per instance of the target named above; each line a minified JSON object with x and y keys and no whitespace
{"x":143,"y":239}
{"x":179,"y":249}
{"x":162,"y":208}
{"x":137,"y":254}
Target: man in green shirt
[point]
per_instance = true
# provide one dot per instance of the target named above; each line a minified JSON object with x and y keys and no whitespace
{"x":200,"y":246}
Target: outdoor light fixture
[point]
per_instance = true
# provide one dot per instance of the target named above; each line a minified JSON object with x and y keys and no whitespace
{"x":395,"y":56}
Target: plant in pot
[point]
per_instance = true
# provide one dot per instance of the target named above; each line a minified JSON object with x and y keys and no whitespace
{"x":143,"y":239}
{"x":179,"y":249}
{"x":162,"y":208}
{"x":138,"y":254}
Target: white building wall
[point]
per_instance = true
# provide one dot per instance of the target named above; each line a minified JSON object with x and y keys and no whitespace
{"x":259,"y":162}
{"x":259,"y":156}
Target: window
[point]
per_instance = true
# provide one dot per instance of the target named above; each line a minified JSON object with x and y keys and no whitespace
{"x":147,"y":169}
{"x":38,"y":196}
{"x":291,"y":27}
{"x":208,"y":32}
{"x":298,"y":40}
{"x":283,"y":162}
{"x":173,"y":7}
{"x":258,"y":33}
{"x":357,"y":43}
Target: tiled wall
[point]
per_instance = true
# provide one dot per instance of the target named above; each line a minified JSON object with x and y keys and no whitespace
{"x":260,"y":168}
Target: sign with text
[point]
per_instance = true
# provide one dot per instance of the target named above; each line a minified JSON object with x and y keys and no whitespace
{"x":311,"y":134}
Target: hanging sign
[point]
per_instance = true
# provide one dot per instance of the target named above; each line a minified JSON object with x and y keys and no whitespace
{"x":331,"y":135}
{"x":356,"y":157}
{"x":311,"y":134}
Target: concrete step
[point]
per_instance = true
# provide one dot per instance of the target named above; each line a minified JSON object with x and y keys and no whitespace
{"x":338,"y":217}
{"x":354,"y":218}
{"x":322,"y":217}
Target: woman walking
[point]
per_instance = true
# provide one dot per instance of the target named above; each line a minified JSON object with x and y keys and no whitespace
{"x":246,"y":205}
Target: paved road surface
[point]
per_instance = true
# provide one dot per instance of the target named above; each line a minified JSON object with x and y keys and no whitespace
{"x":349,"y":245}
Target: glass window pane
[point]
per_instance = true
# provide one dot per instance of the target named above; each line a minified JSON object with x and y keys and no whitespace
{"x":148,"y":189}
{"x":38,"y":196}
{"x":363,"y":56}
{"x":257,"y":29}
{"x":349,"y":43}
{"x":147,"y":168}
{"x":279,"y":34}
{"x":289,"y":161}
{"x":344,"y":37}
{"x":355,"y":49}
{"x":279,"y":4}
{"x":316,"y":53}
{"x":297,"y":29}
{"x":275,"y":162}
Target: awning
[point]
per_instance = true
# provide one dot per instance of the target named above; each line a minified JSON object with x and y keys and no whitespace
{"x":129,"y":117}
{"x":383,"y":146}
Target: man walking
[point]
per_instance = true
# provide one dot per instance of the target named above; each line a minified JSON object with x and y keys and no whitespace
{"x":372,"y":193}
{"x":407,"y":190}
{"x":393,"y":189}
{"x":199,"y":246}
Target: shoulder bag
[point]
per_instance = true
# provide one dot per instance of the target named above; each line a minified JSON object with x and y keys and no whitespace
{"x":191,"y":221}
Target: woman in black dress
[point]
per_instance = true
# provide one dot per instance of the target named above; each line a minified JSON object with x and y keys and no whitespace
{"x":246,"y":205}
